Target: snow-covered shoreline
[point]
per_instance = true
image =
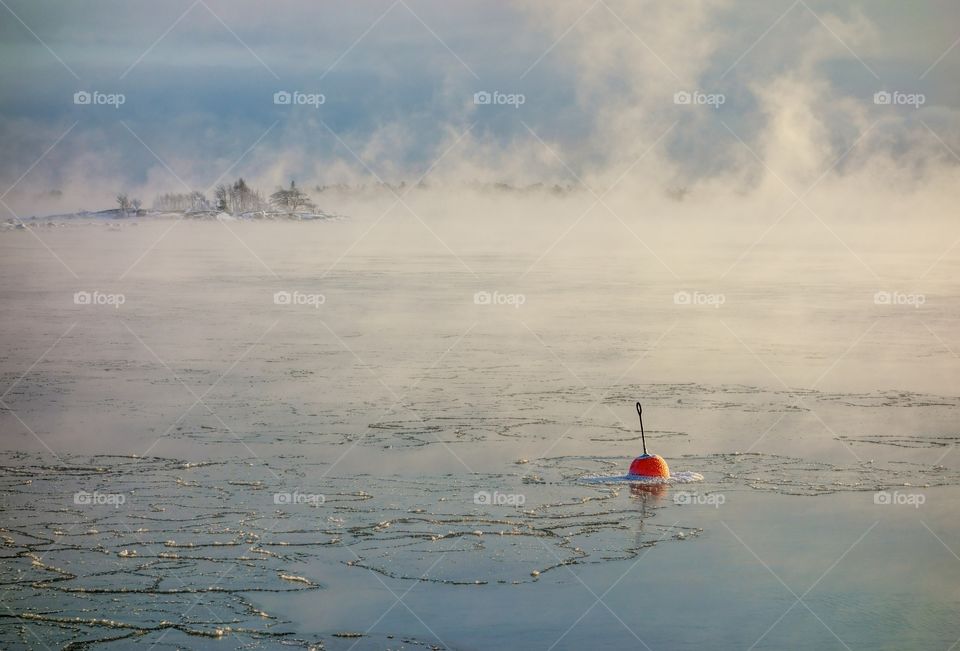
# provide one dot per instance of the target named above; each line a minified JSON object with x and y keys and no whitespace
{"x":116,"y":217}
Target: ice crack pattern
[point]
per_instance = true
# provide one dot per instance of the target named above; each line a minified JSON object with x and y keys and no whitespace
{"x":117,"y":547}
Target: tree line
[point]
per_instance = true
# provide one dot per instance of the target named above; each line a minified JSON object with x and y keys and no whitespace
{"x":235,"y":198}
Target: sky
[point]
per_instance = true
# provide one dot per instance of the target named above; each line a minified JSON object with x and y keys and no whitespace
{"x":585,"y":92}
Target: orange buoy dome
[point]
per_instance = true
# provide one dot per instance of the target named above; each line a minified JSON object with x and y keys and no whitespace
{"x":649,"y":465}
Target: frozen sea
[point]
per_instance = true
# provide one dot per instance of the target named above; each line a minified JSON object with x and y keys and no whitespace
{"x":369,"y":435}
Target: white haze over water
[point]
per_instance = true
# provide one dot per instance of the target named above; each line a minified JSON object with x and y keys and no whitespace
{"x":447,"y":373}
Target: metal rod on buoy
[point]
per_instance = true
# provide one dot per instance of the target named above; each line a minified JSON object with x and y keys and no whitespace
{"x":648,"y":465}
{"x":643,"y":438}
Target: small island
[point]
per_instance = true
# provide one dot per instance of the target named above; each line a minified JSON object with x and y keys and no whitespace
{"x":230,"y":202}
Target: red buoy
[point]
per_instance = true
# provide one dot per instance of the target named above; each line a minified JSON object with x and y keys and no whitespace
{"x":650,"y":465}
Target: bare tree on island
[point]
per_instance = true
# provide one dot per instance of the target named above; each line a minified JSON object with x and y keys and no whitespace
{"x":128,"y":205}
{"x":291,"y":198}
{"x":237,"y":198}
{"x":221,"y":198}
{"x":194,"y":201}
